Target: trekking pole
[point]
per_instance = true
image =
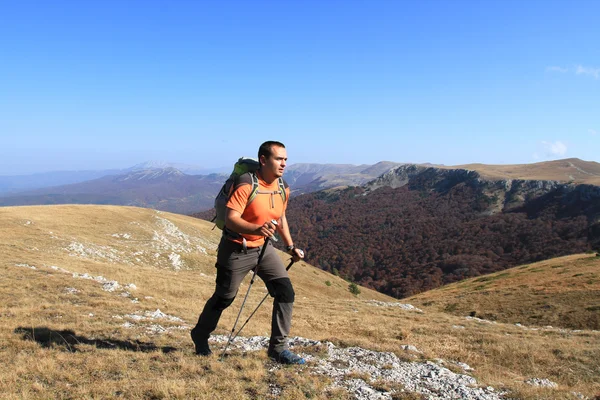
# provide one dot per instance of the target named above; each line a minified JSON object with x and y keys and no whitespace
{"x":258,"y":306}
{"x":262,"y":253}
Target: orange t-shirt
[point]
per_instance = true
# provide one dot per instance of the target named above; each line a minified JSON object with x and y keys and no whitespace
{"x":267,"y":205}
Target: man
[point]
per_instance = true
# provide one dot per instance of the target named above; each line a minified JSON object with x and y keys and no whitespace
{"x":247,"y":224}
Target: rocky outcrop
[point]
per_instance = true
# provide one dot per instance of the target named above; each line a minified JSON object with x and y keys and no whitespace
{"x":306,"y":178}
{"x":500,"y":195}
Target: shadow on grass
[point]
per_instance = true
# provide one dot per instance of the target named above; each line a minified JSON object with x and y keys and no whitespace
{"x":69,"y":341}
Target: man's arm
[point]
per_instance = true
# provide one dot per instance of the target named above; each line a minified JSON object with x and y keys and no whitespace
{"x":235,"y":223}
{"x":284,"y":231}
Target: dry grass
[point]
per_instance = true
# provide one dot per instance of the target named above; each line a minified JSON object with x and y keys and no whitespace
{"x":562,"y":292}
{"x":81,"y":348}
{"x":568,"y":170}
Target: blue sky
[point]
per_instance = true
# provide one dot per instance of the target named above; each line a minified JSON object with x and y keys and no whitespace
{"x":109,"y":84}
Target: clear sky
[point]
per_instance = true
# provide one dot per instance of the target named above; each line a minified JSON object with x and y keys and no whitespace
{"x":99,"y":84}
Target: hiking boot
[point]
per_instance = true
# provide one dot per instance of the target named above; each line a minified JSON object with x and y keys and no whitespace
{"x":286,"y":357}
{"x":201,"y":344}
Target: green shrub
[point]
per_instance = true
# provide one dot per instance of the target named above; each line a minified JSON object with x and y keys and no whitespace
{"x":353,"y":288}
{"x":328,"y":283}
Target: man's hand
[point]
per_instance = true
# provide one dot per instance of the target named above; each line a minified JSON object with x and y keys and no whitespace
{"x":267,"y":229}
{"x":297,"y":254}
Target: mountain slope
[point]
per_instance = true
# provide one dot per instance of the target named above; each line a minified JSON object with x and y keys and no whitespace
{"x":566,"y":170}
{"x":562,"y":292}
{"x":19,"y":183}
{"x":415,"y":228}
{"x":306,"y":178}
{"x":97,"y":302}
{"x":161,"y":186}
{"x":162,"y":189}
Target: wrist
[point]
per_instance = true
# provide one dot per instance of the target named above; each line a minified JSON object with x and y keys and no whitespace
{"x":290,"y":248}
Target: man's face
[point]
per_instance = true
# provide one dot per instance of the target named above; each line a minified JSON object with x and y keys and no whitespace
{"x":275,"y":164}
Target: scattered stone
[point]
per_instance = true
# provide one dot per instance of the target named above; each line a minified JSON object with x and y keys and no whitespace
{"x":408,"y":307}
{"x":155,"y":329}
{"x":95,"y":252}
{"x":25,"y":265}
{"x":171,"y":238}
{"x":342,"y":365}
{"x":111,"y":286}
{"x":275,"y":389}
{"x":71,"y":290}
{"x":410,"y":348}
{"x":175,"y":260}
{"x":462,"y":365}
{"x":485,"y":321}
{"x":153,"y":315}
{"x":541,"y":383}
{"x":580,"y":395}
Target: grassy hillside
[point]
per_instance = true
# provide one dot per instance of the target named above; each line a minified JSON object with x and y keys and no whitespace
{"x":561,"y":292}
{"x":86,"y":283}
{"x":567,"y":170}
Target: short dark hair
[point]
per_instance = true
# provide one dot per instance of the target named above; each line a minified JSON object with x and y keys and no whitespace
{"x":265,"y":148}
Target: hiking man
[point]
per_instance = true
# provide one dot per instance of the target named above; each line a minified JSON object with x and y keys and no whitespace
{"x":247,"y":224}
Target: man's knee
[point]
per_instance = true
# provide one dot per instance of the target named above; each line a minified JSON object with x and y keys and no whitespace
{"x":221,"y":303}
{"x":281,"y":289}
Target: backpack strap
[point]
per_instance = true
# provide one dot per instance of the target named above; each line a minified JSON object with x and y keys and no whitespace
{"x":254,"y":190}
{"x":282,"y":186}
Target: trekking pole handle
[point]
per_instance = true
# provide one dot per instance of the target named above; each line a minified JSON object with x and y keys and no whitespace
{"x":273,"y":238}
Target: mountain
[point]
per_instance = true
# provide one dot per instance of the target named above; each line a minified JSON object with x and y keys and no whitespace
{"x":19,"y":183}
{"x":13,"y":184}
{"x":416,"y":228}
{"x":561,"y":292}
{"x":170,"y":187}
{"x":187,"y":169}
{"x":98,"y":301}
{"x":571,"y":170}
{"x":161,"y":189}
{"x":306,"y":178}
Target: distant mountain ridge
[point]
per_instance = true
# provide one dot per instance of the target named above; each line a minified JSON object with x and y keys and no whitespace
{"x":571,"y":170}
{"x":18,"y":183}
{"x":187,"y":169}
{"x":306,"y":178}
{"x":12,"y":184}
{"x":164,"y":187}
{"x":161,"y":186}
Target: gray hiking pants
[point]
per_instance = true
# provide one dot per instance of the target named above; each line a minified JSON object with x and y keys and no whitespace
{"x":233,"y":264}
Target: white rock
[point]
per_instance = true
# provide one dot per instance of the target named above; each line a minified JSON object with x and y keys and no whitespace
{"x":541,"y":383}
